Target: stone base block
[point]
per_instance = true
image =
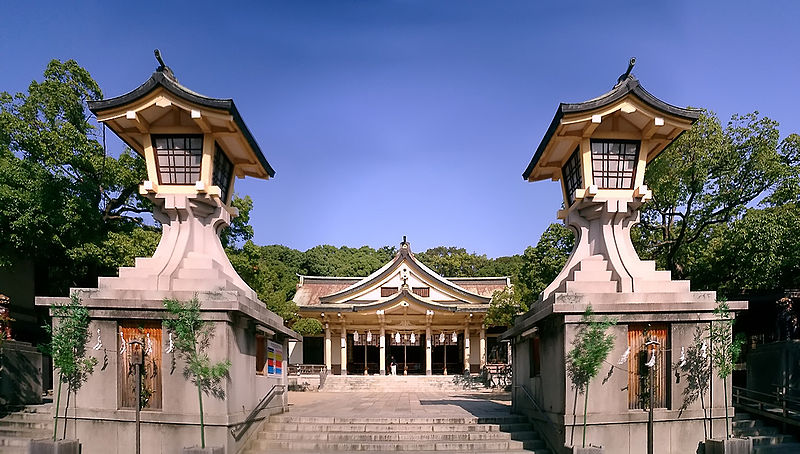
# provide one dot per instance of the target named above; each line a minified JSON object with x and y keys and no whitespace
{"x":54,"y":447}
{"x":20,"y":374}
{"x":206,"y":450}
{"x":587,"y":450}
{"x":731,"y":446}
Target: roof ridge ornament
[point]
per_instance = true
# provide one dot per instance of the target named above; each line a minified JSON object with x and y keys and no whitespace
{"x":163,"y":68}
{"x":627,"y":74}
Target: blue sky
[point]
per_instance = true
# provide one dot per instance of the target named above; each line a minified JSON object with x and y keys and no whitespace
{"x":392,"y":118}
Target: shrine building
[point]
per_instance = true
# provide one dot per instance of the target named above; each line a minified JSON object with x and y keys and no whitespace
{"x":404,"y":313}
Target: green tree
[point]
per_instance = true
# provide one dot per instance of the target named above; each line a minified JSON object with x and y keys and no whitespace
{"x":240,"y":229}
{"x":506,"y":304}
{"x":60,"y":193}
{"x":541,"y":264}
{"x":725,"y":349}
{"x":192,"y":338}
{"x":590,"y":348}
{"x":707,"y":177}
{"x":69,"y":334}
{"x":453,"y":261}
{"x":307,"y":326}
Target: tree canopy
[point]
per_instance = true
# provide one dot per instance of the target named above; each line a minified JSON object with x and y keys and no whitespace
{"x":708,"y":177}
{"x":62,"y":195}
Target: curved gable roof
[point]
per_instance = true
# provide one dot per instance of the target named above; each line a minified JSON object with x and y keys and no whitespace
{"x":404,"y":255}
{"x":630,"y":86}
{"x":162,"y":79}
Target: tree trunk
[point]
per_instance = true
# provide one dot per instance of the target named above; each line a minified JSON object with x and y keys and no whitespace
{"x":66,"y":406}
{"x":55,"y":413}
{"x":574,"y":418}
{"x":725,"y":397}
{"x":585,"y":405}
{"x":202,"y":425}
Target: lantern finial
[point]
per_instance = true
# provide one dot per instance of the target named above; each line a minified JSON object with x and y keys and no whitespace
{"x":624,"y":77}
{"x":163,"y":66}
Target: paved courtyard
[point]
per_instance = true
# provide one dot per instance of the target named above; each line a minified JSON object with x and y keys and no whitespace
{"x":400,"y":404}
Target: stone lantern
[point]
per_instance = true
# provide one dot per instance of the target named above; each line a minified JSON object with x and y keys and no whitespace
{"x":598,"y":150}
{"x":193,"y":146}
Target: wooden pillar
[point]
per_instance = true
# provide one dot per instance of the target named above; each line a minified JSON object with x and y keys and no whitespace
{"x":344,"y":351}
{"x":328,"y":348}
{"x":428,"y":351}
{"x":382,"y":341}
{"x":483,"y":346}
{"x":466,"y":349}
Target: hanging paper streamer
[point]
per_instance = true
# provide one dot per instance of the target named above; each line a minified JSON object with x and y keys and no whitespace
{"x":369,"y":336}
{"x":397,"y":337}
{"x":652,"y":361}
{"x":355,"y":336}
{"x":413,"y":338}
{"x":441,"y":338}
{"x":99,"y":343}
{"x":455,"y":337}
{"x":624,"y":358}
{"x":704,"y":350}
{"x":124,"y":344}
{"x":148,"y":345}
{"x":682,"y":359}
{"x":171,"y":346}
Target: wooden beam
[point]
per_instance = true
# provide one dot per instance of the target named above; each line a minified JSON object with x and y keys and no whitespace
{"x":201,"y":122}
{"x":141,"y":123}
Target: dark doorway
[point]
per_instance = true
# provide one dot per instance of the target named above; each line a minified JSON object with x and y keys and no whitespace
{"x":454,"y":356}
{"x":373,"y":356}
{"x":313,"y":350}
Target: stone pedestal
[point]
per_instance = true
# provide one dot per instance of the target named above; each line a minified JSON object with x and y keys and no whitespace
{"x":189,"y":263}
{"x":605,"y":272}
{"x":20,"y":373}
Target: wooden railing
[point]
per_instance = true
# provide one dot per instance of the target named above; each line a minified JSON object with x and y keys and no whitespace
{"x":776,"y":406}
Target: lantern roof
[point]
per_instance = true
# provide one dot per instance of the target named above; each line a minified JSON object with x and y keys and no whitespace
{"x":144,"y":108}
{"x":641,"y":113}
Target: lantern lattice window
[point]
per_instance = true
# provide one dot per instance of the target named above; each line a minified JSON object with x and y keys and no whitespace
{"x":571,"y":173}
{"x":614,"y":163}
{"x":223,"y":171}
{"x":178,"y":158}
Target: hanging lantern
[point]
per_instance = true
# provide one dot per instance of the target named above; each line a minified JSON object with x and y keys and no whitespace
{"x":397,"y":338}
{"x":454,"y":338}
{"x":441,"y":337}
{"x":369,"y":336}
{"x":413,"y":338}
{"x":355,"y":336}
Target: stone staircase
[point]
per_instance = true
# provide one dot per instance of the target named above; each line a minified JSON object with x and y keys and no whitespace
{"x":310,"y":434}
{"x":400,"y":383}
{"x":18,"y":427}
{"x":766,"y":438}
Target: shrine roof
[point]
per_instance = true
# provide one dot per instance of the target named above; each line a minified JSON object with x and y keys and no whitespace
{"x":629,"y":86}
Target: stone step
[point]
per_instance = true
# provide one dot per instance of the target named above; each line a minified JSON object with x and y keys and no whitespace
{"x":757,"y":431}
{"x":427,"y":436}
{"x":25,"y":432}
{"x":786,"y":448}
{"x":767,"y":440}
{"x":511,"y":451}
{"x":312,"y":427}
{"x":281,"y":446}
{"x":745,"y":423}
{"x":286,"y":418}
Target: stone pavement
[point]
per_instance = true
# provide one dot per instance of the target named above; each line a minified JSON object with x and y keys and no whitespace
{"x":401,"y":404}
